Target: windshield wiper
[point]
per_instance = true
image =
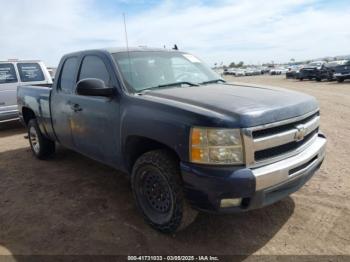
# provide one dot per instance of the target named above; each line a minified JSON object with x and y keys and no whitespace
{"x":179,"y":83}
{"x":170,"y":84}
{"x":213,"y":81}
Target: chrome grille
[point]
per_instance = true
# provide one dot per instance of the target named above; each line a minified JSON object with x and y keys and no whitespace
{"x":272,"y":142}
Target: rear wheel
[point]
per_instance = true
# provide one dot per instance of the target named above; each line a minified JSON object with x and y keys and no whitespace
{"x":158,"y":191}
{"x":340,"y":80}
{"x":41,"y":147}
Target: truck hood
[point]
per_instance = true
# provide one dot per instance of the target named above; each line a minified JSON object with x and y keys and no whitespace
{"x":250,"y":105}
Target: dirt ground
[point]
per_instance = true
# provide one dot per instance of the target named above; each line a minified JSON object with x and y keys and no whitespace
{"x":74,"y":205}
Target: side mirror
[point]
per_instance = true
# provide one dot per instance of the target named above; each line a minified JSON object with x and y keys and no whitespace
{"x":93,"y":87}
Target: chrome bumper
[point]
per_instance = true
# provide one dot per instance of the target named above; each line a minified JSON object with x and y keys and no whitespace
{"x":284,"y":171}
{"x":341,"y":75}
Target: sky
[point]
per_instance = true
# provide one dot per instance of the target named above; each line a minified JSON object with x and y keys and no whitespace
{"x":253,"y":31}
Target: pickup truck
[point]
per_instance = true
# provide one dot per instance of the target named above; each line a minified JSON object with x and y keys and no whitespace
{"x":311,"y":70}
{"x":188,"y":140}
{"x":342,"y":72}
{"x":14,"y":73}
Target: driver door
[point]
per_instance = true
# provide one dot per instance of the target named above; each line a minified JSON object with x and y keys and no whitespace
{"x":95,"y":120}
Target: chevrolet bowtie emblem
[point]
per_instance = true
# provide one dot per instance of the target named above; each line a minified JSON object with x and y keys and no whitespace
{"x":300,"y":134}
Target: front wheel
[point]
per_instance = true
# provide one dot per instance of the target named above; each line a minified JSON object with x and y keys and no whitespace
{"x":340,"y":80}
{"x":41,"y":147}
{"x":158,"y":191}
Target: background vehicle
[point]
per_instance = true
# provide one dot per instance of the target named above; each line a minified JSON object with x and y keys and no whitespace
{"x":230,"y":71}
{"x":189,"y":140}
{"x":240,"y":72}
{"x":327,"y":70}
{"x":342,"y":72}
{"x":293,"y":71}
{"x":310,"y":70}
{"x":14,"y":73}
{"x":278,"y":71}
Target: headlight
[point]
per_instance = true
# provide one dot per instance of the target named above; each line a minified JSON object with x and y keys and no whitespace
{"x":216,"y":146}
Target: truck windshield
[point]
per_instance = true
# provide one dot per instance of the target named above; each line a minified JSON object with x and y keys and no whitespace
{"x":143,"y":70}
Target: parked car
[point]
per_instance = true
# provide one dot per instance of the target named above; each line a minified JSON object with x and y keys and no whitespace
{"x":230,"y":71}
{"x":252,"y":71}
{"x":14,"y":73}
{"x":240,"y":72}
{"x":294,"y":71}
{"x":248,"y":72}
{"x":188,"y":140}
{"x":342,"y":72}
{"x":310,"y":71}
{"x":327,"y":70}
{"x":291,"y":73}
{"x":278,"y":71}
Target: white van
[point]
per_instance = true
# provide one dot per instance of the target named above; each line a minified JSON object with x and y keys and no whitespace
{"x":15,"y":73}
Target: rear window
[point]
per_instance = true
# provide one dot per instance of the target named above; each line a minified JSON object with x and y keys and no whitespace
{"x":30,"y":72}
{"x":7,"y":74}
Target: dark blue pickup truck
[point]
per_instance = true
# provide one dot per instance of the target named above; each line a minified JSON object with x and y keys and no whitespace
{"x":190,"y":141}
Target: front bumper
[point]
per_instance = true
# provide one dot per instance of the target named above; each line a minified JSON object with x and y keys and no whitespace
{"x":205,"y":186}
{"x":339,"y":75}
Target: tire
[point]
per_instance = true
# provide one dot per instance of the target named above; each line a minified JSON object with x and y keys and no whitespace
{"x":318,"y":79}
{"x":301,"y":79}
{"x":340,"y":80}
{"x":158,"y":192}
{"x":41,"y":147}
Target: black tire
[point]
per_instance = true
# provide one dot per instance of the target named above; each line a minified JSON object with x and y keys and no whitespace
{"x":340,"y":80}
{"x":301,"y":79}
{"x":318,"y":79}
{"x":42,"y":147}
{"x":158,"y":191}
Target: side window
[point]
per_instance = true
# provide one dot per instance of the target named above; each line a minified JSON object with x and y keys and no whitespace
{"x":94,"y":67}
{"x":67,"y":80}
{"x":7,"y":74}
{"x":30,"y":72}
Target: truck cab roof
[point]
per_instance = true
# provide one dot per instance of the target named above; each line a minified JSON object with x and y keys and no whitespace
{"x":113,"y":50}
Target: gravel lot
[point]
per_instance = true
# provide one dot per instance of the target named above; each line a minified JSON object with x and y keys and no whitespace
{"x":73,"y":205}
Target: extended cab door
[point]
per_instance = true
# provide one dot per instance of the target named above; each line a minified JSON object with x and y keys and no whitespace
{"x":61,"y":96}
{"x":95,"y":120}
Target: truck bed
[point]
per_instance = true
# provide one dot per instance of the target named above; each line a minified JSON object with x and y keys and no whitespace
{"x":37,"y":99}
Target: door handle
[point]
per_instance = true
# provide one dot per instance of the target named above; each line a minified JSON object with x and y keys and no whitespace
{"x":76,"y":108}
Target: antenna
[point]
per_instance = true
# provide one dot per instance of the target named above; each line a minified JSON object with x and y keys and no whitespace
{"x":126,"y":33}
{"x":127,"y":46}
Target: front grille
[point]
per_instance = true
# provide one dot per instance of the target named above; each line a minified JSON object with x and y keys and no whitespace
{"x":279,"y":129}
{"x":283,"y":149}
{"x":273,"y":142}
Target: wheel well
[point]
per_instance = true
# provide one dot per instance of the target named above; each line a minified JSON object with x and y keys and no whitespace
{"x":137,"y":146}
{"x":27,"y":115}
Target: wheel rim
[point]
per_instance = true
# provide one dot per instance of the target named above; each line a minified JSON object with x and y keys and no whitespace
{"x":156,"y":191}
{"x":34,"y":140}
{"x":154,"y":195}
